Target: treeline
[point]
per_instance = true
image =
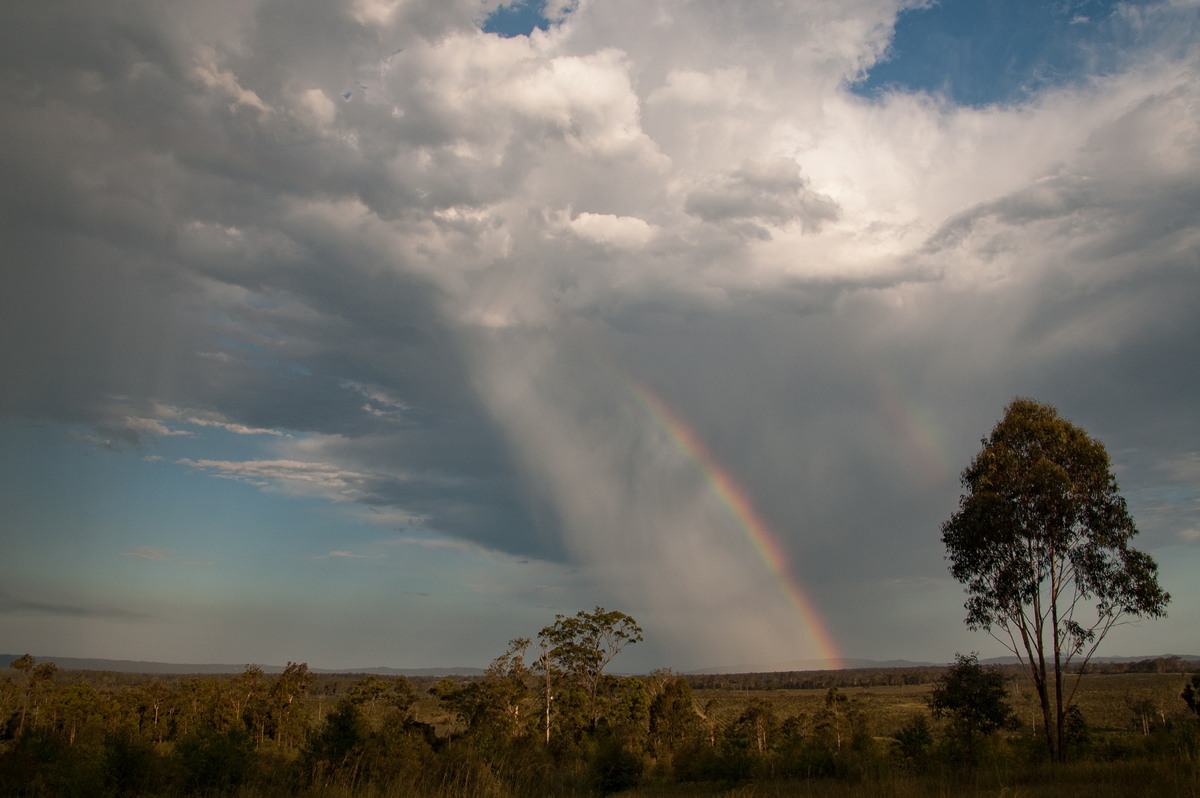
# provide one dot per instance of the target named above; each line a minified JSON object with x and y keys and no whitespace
{"x":913,"y":675}
{"x":817,"y":680}
{"x":545,"y":719}
{"x":1153,"y":665}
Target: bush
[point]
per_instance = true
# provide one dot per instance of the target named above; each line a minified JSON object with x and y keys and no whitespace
{"x":214,"y":761}
{"x":616,"y":768}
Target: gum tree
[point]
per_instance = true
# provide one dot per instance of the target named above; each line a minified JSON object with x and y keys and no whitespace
{"x":581,"y":646}
{"x":1041,"y":542}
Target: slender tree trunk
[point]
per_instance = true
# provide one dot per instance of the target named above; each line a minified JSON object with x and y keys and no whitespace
{"x":1059,"y":752}
{"x":546,"y":666}
{"x":1035,"y":650}
{"x":1040,"y":681}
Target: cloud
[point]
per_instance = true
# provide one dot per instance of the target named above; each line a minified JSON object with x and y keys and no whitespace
{"x":114,"y":431}
{"x":149,"y":553}
{"x":430,"y":301}
{"x":622,"y":232}
{"x":300,"y":477}
{"x":157,"y":554}
{"x":211,"y":418}
{"x":772,"y":194}
{"x":14,"y":605}
{"x":348,"y":555}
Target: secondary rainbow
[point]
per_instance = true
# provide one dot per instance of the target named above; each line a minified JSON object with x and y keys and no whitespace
{"x":738,"y":502}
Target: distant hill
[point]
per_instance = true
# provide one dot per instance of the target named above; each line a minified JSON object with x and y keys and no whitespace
{"x":801,"y":666}
{"x":131,"y":666}
{"x":1098,"y":660}
{"x":811,"y":665}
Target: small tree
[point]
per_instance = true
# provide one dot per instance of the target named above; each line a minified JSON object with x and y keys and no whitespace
{"x":833,"y":719}
{"x":1040,"y":537}
{"x":1191,"y":694}
{"x":974,"y":698}
{"x":914,"y":739}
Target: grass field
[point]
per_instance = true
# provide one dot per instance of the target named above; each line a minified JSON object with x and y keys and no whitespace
{"x":1122,"y":702}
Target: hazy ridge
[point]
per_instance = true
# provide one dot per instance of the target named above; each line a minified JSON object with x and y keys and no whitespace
{"x":138,"y":666}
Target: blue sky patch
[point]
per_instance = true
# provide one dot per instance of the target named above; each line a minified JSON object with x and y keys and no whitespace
{"x":517,"y":19}
{"x":979,"y":52}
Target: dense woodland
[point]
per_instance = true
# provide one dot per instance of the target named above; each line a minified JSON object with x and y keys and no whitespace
{"x":894,"y":731}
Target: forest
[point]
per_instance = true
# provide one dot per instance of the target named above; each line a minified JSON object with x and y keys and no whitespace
{"x":548,"y":718}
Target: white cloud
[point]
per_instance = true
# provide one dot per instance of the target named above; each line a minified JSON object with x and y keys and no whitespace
{"x":208,"y":418}
{"x":224,"y":82}
{"x":307,"y":478}
{"x":723,"y":89}
{"x":622,"y":232}
{"x":318,"y":110}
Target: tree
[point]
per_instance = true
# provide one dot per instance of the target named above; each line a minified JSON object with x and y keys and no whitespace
{"x":1191,"y":694}
{"x":38,"y":680}
{"x":24,"y":664}
{"x":975,"y":699}
{"x":491,"y":707}
{"x":1042,"y":536}
{"x":914,"y":739}
{"x":76,"y":706}
{"x":582,"y":646}
{"x":756,"y":724}
{"x":291,"y":684}
{"x":673,"y":717}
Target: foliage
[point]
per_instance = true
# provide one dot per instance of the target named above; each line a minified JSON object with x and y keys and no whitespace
{"x":578,"y":648}
{"x":673,"y":719}
{"x":915,"y":740}
{"x":98,"y":733}
{"x":975,"y":699}
{"x":1191,"y":695}
{"x":215,"y":761}
{"x":1042,"y":535}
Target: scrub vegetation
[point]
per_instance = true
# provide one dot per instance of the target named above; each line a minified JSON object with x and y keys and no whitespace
{"x":965,"y":729}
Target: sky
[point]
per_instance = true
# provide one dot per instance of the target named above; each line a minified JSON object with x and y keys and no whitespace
{"x":379,"y":332}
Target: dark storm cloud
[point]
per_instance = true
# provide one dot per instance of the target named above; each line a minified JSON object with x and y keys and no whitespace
{"x":160,"y":253}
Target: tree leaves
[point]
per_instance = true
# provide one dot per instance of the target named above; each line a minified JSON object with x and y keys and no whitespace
{"x":1041,"y":534}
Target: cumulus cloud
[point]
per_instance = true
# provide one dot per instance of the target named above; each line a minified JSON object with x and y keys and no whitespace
{"x":623,"y":232}
{"x":423,"y":269}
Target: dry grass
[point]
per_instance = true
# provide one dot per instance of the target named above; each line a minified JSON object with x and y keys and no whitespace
{"x":1080,"y":780}
{"x":1126,"y":702}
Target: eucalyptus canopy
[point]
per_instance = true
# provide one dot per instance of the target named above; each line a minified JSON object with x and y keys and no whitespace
{"x":1041,"y":541}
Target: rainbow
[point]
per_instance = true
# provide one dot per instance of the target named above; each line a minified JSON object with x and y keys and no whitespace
{"x":917,"y":431}
{"x":743,"y":511}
